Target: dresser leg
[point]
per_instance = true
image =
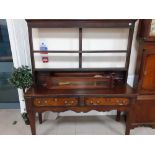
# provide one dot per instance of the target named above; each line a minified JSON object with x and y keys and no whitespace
{"x":118,"y":116}
{"x":128,"y":123}
{"x":127,"y":131}
{"x":40,"y":118}
{"x":124,"y":116}
{"x":32,"y":123}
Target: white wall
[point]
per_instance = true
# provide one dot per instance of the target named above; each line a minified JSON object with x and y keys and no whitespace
{"x":18,"y":34}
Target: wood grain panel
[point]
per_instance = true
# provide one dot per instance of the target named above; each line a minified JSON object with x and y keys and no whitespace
{"x":148,"y":82}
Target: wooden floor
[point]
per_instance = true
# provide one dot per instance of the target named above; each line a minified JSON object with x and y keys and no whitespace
{"x":67,"y":125}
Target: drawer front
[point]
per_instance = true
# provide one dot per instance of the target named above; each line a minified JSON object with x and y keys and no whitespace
{"x":55,"y":101}
{"x":106,"y":101}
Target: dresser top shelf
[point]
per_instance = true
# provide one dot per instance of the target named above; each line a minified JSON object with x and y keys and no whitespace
{"x":83,"y":23}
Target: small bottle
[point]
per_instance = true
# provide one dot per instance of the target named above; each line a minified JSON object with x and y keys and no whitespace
{"x":43,"y":47}
{"x":44,"y":53}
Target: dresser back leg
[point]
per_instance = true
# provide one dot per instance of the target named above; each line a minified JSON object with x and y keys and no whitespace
{"x":118,"y":116}
{"x":40,"y":117}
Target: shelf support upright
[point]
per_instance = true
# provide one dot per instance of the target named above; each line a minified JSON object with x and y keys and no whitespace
{"x":80,"y":47}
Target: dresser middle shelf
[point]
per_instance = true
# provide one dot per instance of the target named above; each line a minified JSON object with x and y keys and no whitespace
{"x":80,"y":81}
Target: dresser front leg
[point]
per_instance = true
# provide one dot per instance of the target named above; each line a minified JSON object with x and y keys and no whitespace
{"x":32,"y":122}
{"x":128,"y":123}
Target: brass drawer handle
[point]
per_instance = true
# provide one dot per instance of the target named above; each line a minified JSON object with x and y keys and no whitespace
{"x":69,"y":103}
{"x":66,"y":102}
{"x":120,"y":103}
{"x":94,"y":104}
{"x":55,"y":99}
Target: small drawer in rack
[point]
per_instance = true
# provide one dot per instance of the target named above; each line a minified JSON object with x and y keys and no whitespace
{"x":99,"y":101}
{"x":55,"y":102}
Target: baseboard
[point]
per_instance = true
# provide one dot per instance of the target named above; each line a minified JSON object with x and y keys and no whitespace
{"x":10,"y":105}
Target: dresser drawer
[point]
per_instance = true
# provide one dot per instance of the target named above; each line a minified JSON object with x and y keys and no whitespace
{"x":55,"y":101}
{"x":106,"y":101}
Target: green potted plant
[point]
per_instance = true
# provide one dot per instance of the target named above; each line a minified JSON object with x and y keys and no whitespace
{"x":22,"y":78}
